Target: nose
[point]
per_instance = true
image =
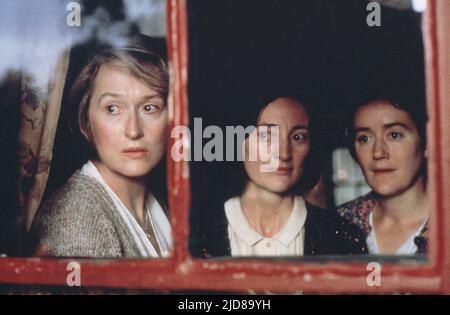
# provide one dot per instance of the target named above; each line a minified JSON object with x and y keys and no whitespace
{"x":285,"y":149}
{"x":133,"y":128}
{"x":380,"y":150}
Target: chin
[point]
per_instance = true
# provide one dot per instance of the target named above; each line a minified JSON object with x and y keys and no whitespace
{"x":135,"y":172}
{"x":279,"y":188}
{"x":387,"y":191}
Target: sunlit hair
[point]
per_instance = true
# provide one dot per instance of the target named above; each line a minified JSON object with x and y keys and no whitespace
{"x":143,"y":64}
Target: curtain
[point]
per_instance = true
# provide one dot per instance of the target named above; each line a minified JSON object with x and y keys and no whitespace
{"x":45,"y":58}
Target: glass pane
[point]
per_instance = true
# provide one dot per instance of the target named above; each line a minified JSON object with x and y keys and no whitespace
{"x":93,"y":76}
{"x":349,"y":67}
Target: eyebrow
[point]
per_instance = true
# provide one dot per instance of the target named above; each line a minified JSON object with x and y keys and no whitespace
{"x":112,"y":94}
{"x":276,"y":125}
{"x":386,"y":126}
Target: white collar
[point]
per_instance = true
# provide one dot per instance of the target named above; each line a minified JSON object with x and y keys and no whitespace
{"x":239,"y":223}
{"x":407,"y":248}
{"x":154,"y":211}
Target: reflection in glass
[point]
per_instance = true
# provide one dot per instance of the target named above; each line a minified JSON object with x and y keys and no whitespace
{"x":348,"y":179}
{"x":39,"y":49}
{"x":323,"y":51}
{"x":106,"y":208}
{"x":269,"y":217}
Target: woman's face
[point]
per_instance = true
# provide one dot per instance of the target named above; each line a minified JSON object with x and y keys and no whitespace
{"x":282,"y":128}
{"x":388,"y":148}
{"x":128,"y":123}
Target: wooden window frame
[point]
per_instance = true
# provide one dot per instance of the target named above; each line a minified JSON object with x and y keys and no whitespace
{"x":183,"y":272}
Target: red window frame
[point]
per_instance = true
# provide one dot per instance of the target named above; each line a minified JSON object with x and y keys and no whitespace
{"x":183,"y":272}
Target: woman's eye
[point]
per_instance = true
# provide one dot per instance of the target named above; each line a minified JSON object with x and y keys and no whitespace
{"x":112,"y":109}
{"x":300,"y":138}
{"x":150,"y":108}
{"x":264,"y":135}
{"x":395,"y":135}
{"x":362,"y":138}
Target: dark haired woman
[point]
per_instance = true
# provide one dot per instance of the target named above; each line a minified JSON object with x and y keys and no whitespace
{"x":269,"y":218}
{"x":388,"y":142}
{"x":106,"y":209}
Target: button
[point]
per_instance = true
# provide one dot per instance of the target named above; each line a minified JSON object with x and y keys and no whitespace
{"x":268,"y":244}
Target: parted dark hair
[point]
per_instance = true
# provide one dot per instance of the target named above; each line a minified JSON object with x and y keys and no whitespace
{"x":142,"y":63}
{"x":412,"y":102}
{"x":312,"y":164}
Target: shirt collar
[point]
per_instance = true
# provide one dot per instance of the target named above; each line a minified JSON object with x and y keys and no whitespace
{"x":153,"y":208}
{"x":239,"y":223}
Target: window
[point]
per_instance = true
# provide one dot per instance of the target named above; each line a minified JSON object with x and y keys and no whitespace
{"x":348,"y":179}
{"x":184,"y":272}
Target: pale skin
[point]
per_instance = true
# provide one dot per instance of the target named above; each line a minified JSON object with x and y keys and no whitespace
{"x":389,"y":151}
{"x":127,"y":121}
{"x":266,"y":200}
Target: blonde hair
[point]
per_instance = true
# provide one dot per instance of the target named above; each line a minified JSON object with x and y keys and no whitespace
{"x":144,"y":64}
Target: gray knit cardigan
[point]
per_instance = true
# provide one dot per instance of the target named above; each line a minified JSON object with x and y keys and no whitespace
{"x":80,"y":220}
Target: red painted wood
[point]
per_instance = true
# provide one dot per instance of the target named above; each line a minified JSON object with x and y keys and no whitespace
{"x":440,"y":91}
{"x":178,"y":172}
{"x":182,"y":272}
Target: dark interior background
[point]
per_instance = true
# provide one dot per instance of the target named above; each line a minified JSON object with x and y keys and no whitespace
{"x":240,"y":52}
{"x":322,"y":50}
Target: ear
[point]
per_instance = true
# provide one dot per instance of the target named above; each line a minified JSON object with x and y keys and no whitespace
{"x":425,"y":153}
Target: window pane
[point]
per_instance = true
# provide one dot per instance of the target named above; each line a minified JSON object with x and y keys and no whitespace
{"x":331,"y":57}
{"x":57,"y":57}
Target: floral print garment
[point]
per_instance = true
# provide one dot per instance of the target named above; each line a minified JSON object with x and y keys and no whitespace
{"x":358,"y":210}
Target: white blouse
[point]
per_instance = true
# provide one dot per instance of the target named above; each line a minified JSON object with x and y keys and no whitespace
{"x":245,"y":241}
{"x":155,"y":214}
{"x":407,"y":248}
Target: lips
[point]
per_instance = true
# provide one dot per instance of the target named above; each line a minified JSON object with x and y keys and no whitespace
{"x":284,"y":170}
{"x":381,"y":171}
{"x":135,"y":152}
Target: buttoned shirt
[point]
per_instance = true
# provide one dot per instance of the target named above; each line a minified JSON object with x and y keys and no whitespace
{"x":246,"y":241}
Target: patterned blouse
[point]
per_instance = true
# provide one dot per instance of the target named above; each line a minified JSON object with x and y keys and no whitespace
{"x":358,"y":211}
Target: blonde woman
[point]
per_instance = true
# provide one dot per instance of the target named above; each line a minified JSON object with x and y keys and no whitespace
{"x":106,"y":209}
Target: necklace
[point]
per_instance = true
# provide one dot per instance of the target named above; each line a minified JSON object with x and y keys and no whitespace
{"x":151,"y":235}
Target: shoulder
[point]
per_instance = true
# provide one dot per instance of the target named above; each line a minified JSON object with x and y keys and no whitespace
{"x":80,"y":198}
{"x":421,"y":240}
{"x":78,"y":186}
{"x":75,"y":221}
{"x":357,"y":211}
{"x":332,"y":234}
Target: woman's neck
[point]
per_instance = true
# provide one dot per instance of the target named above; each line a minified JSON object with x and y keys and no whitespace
{"x":266,"y":211}
{"x":131,"y":191}
{"x":411,"y":205}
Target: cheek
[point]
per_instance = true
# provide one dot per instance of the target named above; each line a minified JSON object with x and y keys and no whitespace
{"x":251,"y":169}
{"x":414,"y":155}
{"x":252,"y":159}
{"x":363,"y":156}
{"x":250,"y":149}
{"x":103,"y":132}
{"x":157,"y":133}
